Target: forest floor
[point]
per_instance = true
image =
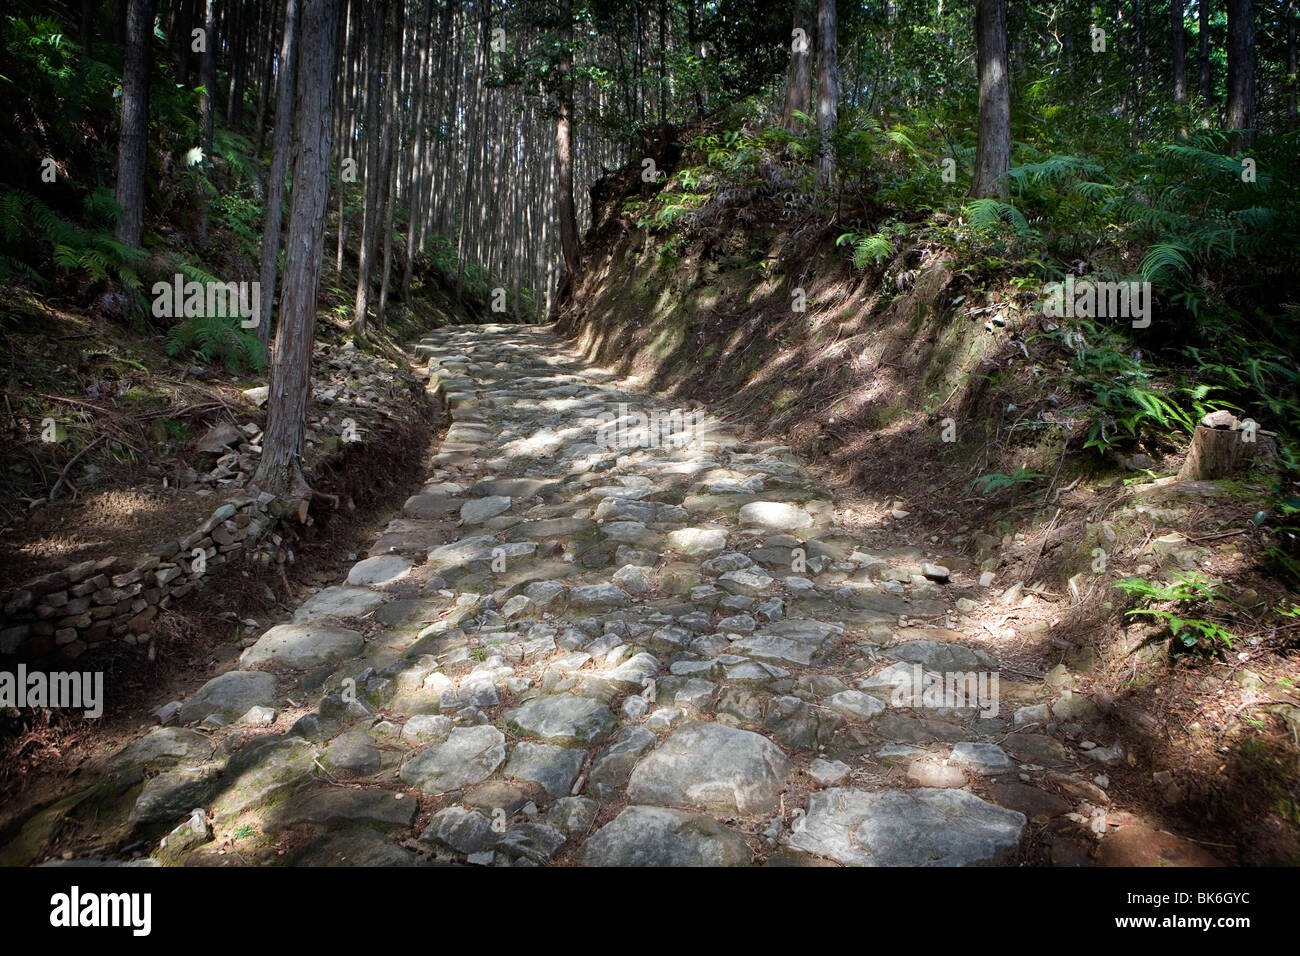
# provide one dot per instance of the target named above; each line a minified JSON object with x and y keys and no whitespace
{"x":576,"y":650}
{"x":179,"y":422}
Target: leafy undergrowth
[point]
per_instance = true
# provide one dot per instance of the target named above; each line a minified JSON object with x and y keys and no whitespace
{"x":1040,"y":451}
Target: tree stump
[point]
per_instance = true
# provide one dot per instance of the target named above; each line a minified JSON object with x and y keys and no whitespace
{"x":1223,"y":446}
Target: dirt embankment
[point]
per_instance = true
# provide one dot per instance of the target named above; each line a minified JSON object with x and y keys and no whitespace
{"x":949,"y":409}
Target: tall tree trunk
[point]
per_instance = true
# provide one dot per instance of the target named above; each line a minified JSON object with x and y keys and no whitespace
{"x":564,"y":146}
{"x":415,"y":206}
{"x":280,"y":469}
{"x":284,"y":96}
{"x":1240,"y":110}
{"x":798,"y":75}
{"x":1137,"y":58}
{"x":993,"y":148}
{"x":828,"y":85}
{"x":370,"y":215}
{"x":236,"y":63}
{"x":1291,"y":62}
{"x":1178,"y":51}
{"x":345,"y":119}
{"x":695,"y":51}
{"x":268,"y":79}
{"x":89,"y":11}
{"x":387,"y":163}
{"x":133,"y":143}
{"x":208,"y":75}
{"x":1203,"y":40}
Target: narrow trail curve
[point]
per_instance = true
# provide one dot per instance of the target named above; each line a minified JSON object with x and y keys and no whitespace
{"x":630,"y":656}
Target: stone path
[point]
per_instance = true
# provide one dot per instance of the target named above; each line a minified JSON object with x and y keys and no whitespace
{"x":627,"y":656}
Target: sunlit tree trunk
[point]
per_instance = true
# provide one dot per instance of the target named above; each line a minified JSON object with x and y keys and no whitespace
{"x":284,"y":96}
{"x":567,"y":215}
{"x":993,"y":148}
{"x":828,"y":85}
{"x":280,"y":469}
{"x":133,"y":141}
{"x":370,"y":215}
{"x":798,"y":76}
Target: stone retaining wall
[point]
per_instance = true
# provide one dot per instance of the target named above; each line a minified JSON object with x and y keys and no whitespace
{"x":113,"y":598}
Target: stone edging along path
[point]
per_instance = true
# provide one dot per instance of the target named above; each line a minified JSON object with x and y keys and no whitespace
{"x":629,"y":656}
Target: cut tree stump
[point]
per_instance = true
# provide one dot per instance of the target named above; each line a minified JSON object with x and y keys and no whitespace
{"x":1223,"y":446}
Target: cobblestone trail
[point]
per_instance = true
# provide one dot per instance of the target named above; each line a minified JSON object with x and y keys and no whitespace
{"x":624,"y":655}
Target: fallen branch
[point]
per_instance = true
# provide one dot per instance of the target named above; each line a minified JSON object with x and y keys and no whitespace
{"x":63,"y":475}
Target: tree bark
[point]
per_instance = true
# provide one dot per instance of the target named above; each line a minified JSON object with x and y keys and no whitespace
{"x":828,"y":86}
{"x":387,"y":163}
{"x":564,"y":145}
{"x":284,"y":95}
{"x":370,"y":215}
{"x":280,"y":469}
{"x":1203,"y":42}
{"x":798,"y":76}
{"x":993,"y":148}
{"x":1178,"y":51}
{"x":1240,"y":111}
{"x":208,"y":75}
{"x":133,"y":143}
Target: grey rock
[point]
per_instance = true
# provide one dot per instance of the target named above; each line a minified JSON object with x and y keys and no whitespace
{"x":981,"y":757}
{"x":553,"y":768}
{"x":469,"y":756}
{"x":712,"y":766}
{"x":465,"y":831}
{"x":656,"y":836}
{"x":303,"y":645}
{"x":921,"y":827}
{"x":229,"y":696}
{"x":564,"y":719}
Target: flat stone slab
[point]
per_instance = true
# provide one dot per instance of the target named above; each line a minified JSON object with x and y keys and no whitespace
{"x":919,"y":827}
{"x":337,"y":602}
{"x":361,"y":846}
{"x":854,"y":704}
{"x":564,"y":719}
{"x":164,"y":747}
{"x":657,"y":836}
{"x":698,"y":542}
{"x":598,"y":596}
{"x":468,"y":756}
{"x":431,"y":506}
{"x":229,"y":696}
{"x":712,"y":766}
{"x":980,"y":757}
{"x":379,"y":571}
{"x":774,"y":516}
{"x":333,"y":807}
{"x":941,"y":658}
{"x":793,"y":640}
{"x":478,"y":510}
{"x":552,"y":768}
{"x":302,"y":645}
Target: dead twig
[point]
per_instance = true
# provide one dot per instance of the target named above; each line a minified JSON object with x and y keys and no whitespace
{"x":63,"y":475}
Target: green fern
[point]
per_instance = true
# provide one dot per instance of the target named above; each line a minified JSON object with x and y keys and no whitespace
{"x":989,"y":214}
{"x":217,"y":338}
